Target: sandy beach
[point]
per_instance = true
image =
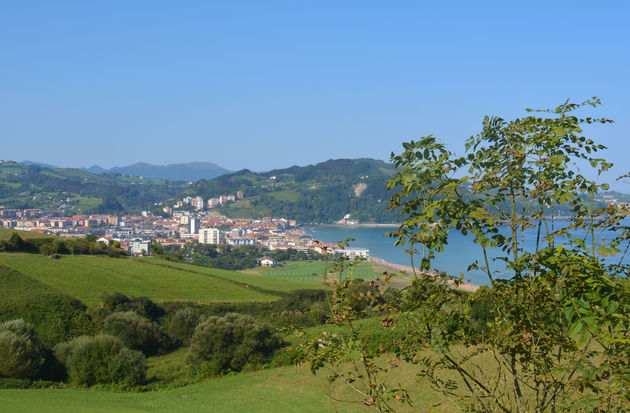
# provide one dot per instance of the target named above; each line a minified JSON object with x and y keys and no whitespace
{"x":397,"y":267}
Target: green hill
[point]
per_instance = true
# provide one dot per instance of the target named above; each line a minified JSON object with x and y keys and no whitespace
{"x":78,"y":191}
{"x":86,"y":278}
{"x":319,"y":193}
{"x":57,"y":315}
{"x":5,"y":234}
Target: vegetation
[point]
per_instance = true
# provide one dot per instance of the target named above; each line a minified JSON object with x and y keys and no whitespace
{"x":231,"y":343}
{"x":23,"y":241}
{"x":22,"y":352}
{"x":556,"y":333}
{"x":138,"y":333}
{"x":320,"y":193}
{"x":310,"y":271}
{"x":55,"y":315}
{"x":183,"y":324}
{"x":250,"y":278}
{"x":229,"y":257}
{"x":77,"y":191}
{"x":87,"y":278}
{"x":101,"y":359}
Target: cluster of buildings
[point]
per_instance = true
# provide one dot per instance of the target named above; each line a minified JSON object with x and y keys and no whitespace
{"x":199,"y":204}
{"x":136,"y":232}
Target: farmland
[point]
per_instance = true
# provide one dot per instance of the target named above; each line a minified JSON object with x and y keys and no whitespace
{"x":88,"y":277}
{"x":249,"y":277}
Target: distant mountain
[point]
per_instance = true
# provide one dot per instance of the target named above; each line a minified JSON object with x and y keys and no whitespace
{"x":95,"y":169}
{"x":43,"y":165}
{"x":192,"y":171}
{"x":320,"y":193}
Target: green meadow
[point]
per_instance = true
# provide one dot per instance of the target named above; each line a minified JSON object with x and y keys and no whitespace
{"x":5,"y":234}
{"x":88,"y":277}
{"x":265,"y":281}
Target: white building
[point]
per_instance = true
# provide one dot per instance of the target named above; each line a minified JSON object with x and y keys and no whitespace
{"x":209,"y":236}
{"x":353,"y":253}
{"x":193,"y":225}
{"x":139,"y":248}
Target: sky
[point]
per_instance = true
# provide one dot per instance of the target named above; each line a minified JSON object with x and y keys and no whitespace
{"x":270,"y":84}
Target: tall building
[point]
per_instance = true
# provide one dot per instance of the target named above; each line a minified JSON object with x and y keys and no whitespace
{"x":193,"y":225}
{"x":209,"y":236}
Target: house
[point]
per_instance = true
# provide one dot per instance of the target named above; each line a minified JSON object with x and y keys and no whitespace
{"x":266,"y":261}
{"x":105,"y":240}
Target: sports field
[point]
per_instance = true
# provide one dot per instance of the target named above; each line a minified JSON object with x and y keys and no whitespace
{"x":313,"y":271}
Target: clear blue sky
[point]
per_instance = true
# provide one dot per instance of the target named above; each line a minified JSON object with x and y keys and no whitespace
{"x":267,"y":84}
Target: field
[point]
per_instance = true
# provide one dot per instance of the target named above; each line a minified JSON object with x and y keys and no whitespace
{"x":284,"y":389}
{"x":248,"y":277}
{"x":88,"y":277}
{"x":5,"y":234}
{"x":312,"y":271}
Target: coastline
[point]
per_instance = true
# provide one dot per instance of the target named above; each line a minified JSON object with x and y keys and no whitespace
{"x":373,"y":225}
{"x":464,"y":286}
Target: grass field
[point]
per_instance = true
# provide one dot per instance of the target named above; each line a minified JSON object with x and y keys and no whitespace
{"x":289,"y":195}
{"x":88,"y":277}
{"x":6,"y":233}
{"x":284,"y":389}
{"x":312,"y":271}
{"x":249,"y":277}
{"x":56,"y":315}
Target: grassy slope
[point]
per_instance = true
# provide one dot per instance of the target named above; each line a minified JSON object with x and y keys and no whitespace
{"x":56,"y":315}
{"x":249,"y":277}
{"x":285,"y":389}
{"x":5,"y":234}
{"x":88,"y":277}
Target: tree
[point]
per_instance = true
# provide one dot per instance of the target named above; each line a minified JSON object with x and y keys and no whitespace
{"x":555,"y":332}
{"x":232,"y":342}
{"x":560,"y":339}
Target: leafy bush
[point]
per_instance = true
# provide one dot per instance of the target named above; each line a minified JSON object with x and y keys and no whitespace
{"x":138,"y":333}
{"x":232,"y":342}
{"x":21,"y":353}
{"x":183,"y":324}
{"x":101,"y":359}
{"x":118,"y":302}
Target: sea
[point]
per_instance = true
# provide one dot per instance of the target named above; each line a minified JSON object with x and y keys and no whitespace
{"x":460,"y":252}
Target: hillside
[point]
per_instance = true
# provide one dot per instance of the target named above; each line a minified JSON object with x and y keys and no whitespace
{"x":77,"y":191}
{"x":86,"y":278}
{"x":320,"y":193}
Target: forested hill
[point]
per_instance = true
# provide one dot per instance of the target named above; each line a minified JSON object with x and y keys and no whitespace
{"x":320,"y":193}
{"x":77,"y":191}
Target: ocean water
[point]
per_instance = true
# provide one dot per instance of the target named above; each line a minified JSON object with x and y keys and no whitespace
{"x":460,"y":252}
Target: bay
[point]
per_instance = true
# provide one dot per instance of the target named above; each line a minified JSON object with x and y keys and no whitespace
{"x":460,"y":252}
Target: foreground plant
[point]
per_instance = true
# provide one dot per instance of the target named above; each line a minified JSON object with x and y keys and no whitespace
{"x":343,"y":351}
{"x":560,"y":339}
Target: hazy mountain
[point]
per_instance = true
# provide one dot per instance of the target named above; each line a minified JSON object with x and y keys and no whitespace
{"x":191,"y":171}
{"x":43,"y":165}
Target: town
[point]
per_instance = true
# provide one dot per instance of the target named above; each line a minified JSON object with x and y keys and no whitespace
{"x":135,"y":233}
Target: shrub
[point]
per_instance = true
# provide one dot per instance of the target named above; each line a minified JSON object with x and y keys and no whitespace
{"x":21,"y":353}
{"x":183,"y":324}
{"x":138,"y":333}
{"x":232,"y":342}
{"x":118,"y":302}
{"x":101,"y":359}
